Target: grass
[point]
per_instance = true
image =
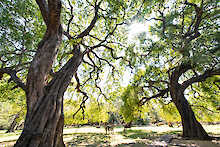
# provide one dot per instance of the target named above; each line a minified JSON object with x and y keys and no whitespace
{"x":95,"y":137}
{"x":91,"y":139}
{"x":138,"y":134}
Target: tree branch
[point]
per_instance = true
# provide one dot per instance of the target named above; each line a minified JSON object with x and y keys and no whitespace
{"x":44,"y":10}
{"x":195,"y":33}
{"x":203,"y":107}
{"x":14,"y":77}
{"x":160,"y":94}
{"x":85,"y":97}
{"x":179,"y":71}
{"x":54,"y":7}
{"x":71,"y":17}
{"x":200,"y":78}
{"x":92,"y":24}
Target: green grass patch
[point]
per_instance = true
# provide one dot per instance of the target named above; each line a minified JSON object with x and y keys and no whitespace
{"x":176,"y":132}
{"x":138,"y":134}
{"x":90,"y":139}
{"x":143,"y":134}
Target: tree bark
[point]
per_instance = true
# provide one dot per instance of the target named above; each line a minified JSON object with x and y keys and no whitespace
{"x":191,"y":127}
{"x":44,"y":121}
{"x":43,"y":126}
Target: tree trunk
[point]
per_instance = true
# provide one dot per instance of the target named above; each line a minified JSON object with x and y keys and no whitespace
{"x":13,"y":124}
{"x":44,"y":120}
{"x":191,"y":127}
{"x":43,"y":126}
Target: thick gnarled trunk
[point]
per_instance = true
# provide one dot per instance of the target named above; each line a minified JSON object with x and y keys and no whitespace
{"x":42,"y":126}
{"x":191,"y":127}
{"x":44,"y":121}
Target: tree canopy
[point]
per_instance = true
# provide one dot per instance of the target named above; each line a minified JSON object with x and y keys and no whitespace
{"x":48,"y":46}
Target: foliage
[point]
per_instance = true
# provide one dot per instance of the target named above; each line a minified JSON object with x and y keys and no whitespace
{"x":95,"y":112}
{"x":9,"y":93}
{"x":206,"y":98}
{"x":169,"y":113}
{"x":129,"y":108}
{"x":19,"y":33}
{"x":102,"y":68}
{"x":180,"y":33}
{"x":12,"y":102}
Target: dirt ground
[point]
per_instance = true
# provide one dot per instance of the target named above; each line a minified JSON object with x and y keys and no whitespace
{"x":150,"y":136}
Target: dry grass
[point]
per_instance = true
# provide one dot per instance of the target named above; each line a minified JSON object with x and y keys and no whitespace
{"x":136,"y":136}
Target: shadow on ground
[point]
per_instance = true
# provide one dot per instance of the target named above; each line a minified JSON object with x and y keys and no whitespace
{"x":90,"y":139}
{"x":136,"y":138}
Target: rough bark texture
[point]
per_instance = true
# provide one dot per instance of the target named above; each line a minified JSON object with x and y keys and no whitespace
{"x":191,"y":127}
{"x":44,"y":120}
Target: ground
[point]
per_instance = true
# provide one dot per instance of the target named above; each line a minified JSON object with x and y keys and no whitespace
{"x":151,"y":136}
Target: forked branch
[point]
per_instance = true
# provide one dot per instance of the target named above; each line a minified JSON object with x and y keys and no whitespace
{"x":160,"y":94}
{"x":13,"y":77}
{"x":200,"y":78}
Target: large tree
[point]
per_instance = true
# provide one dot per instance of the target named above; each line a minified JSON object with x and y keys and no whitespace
{"x":44,"y":73}
{"x":184,"y":51}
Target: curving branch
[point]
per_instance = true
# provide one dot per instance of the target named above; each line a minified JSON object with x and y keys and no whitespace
{"x":200,"y":78}
{"x":178,"y":71}
{"x":105,"y":39}
{"x":93,"y":65}
{"x":13,"y":77}
{"x":111,"y":51}
{"x":85,"y":97}
{"x":92,"y":24}
{"x":43,"y":5}
{"x":102,"y":59}
{"x":160,"y":94}
{"x":71,"y":17}
{"x":193,"y":34}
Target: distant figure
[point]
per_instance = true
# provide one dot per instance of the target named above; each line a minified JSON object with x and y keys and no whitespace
{"x":108,"y":128}
{"x":127,"y":125}
{"x":170,"y":124}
